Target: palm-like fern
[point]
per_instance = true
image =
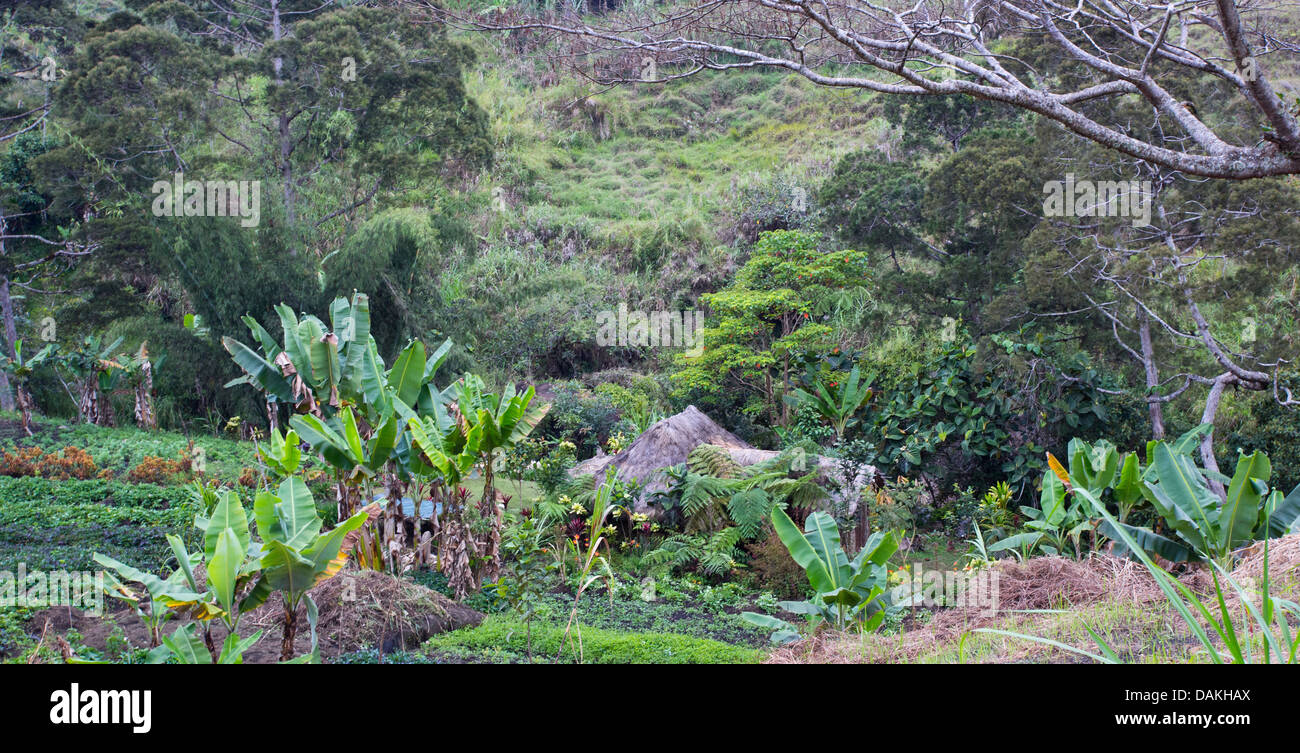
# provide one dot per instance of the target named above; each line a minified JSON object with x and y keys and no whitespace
{"x":720,"y":503}
{"x":715,"y":554}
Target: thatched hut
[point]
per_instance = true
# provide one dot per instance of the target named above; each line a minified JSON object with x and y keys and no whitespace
{"x":664,"y":444}
{"x":670,"y":441}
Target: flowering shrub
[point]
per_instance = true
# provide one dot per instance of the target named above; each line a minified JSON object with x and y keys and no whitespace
{"x":538,"y":461}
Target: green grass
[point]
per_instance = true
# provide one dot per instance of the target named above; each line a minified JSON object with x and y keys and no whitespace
{"x":699,"y":613}
{"x":675,"y":154}
{"x":499,"y":639}
{"x":522,"y":493}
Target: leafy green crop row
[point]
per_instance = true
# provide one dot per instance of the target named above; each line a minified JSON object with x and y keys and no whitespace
{"x":505,"y":639}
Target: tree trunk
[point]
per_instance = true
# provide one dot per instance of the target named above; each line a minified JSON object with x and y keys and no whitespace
{"x":290,"y":632}
{"x":11,"y":329}
{"x":212,"y":646}
{"x":1154,"y":407}
{"x":286,"y":136}
{"x":1207,"y":443}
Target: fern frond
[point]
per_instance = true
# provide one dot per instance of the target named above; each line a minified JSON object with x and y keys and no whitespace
{"x":711,"y":460}
{"x":749,"y":510}
{"x":699,"y":492}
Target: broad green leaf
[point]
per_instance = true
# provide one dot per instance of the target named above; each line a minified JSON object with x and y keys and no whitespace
{"x":1184,"y":499}
{"x":228,"y":514}
{"x":294,"y":345}
{"x":288,"y":571}
{"x":407,"y":375}
{"x":1283,"y":513}
{"x":353,"y":436}
{"x":1129,"y":488}
{"x":824,"y":537}
{"x":233,"y":650}
{"x":296,"y":513}
{"x":1241,"y":509}
{"x":802,"y":552}
{"x":224,"y":566}
{"x":1052,"y":499}
{"x":187,"y":647}
{"x":260,"y":371}
{"x":324,"y":440}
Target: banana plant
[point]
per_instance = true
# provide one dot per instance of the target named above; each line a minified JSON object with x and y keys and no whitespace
{"x":230,"y":557}
{"x":837,"y":404}
{"x":315,"y":367}
{"x":91,"y":365}
{"x":281,"y":455}
{"x":318,"y":370}
{"x":152,"y":605}
{"x":1201,"y":524}
{"x":445,"y":448}
{"x":297,"y":555}
{"x":186,"y":647}
{"x":1211,"y":527}
{"x":847,"y":592}
{"x":1056,"y":526}
{"x":20,"y":369}
{"x":341,"y":445}
{"x":502,"y":421}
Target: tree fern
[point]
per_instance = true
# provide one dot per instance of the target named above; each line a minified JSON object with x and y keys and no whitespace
{"x":711,"y":460}
{"x":749,"y":510}
{"x":713,"y":555}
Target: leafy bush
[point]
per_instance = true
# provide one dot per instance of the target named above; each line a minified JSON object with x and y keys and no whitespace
{"x":154,"y":470}
{"x":585,"y":418}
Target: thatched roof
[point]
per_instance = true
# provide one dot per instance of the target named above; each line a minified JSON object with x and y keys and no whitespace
{"x":664,"y":444}
{"x":670,"y":441}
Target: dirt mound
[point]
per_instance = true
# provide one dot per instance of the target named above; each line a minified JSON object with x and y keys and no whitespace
{"x":1045,"y":583}
{"x":357,"y":610}
{"x":368,"y":609}
{"x":1040,"y":583}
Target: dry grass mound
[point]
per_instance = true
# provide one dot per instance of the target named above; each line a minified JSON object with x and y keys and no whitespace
{"x":1117,"y":597}
{"x":358,"y":610}
{"x":369,"y":610}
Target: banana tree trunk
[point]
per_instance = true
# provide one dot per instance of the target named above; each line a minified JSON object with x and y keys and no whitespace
{"x":290,"y":632}
{"x":25,"y":407}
